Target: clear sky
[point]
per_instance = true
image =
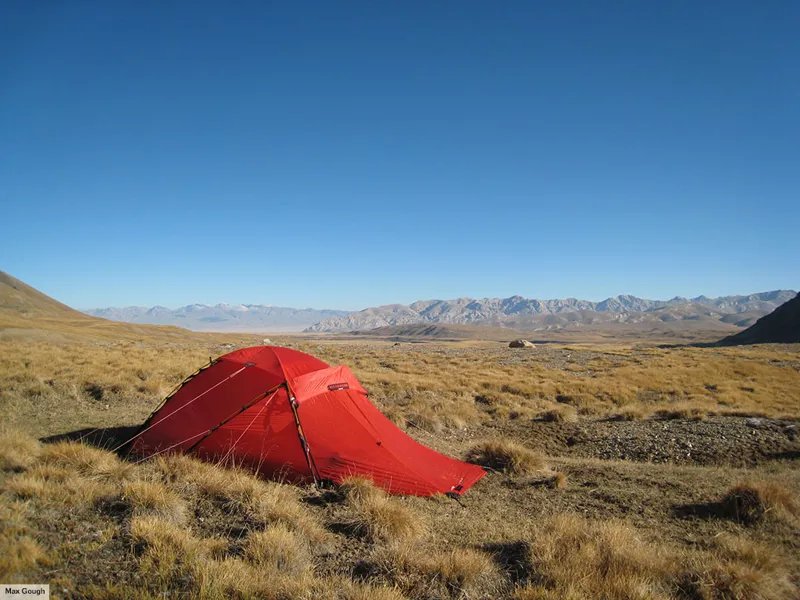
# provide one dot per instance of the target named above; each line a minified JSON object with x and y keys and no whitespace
{"x":348,"y":154}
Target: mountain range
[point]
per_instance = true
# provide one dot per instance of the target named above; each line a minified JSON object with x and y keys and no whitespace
{"x":255,"y":318}
{"x":545,"y":315}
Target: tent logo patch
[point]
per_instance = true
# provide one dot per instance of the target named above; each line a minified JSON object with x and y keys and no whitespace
{"x":339,"y":386}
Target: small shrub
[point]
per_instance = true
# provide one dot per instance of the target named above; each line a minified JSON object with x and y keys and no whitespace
{"x":508,"y":457}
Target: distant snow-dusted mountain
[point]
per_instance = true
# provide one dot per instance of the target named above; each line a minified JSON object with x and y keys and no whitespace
{"x":532,"y":313}
{"x":221,"y":317}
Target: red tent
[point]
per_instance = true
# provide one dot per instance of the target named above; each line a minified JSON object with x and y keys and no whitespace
{"x":291,"y":416}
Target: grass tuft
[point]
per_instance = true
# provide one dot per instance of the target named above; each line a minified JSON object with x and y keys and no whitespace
{"x":561,"y":414}
{"x":153,"y":498}
{"x":508,"y":457}
{"x":737,"y":567}
{"x":754,"y":502}
{"x":572,"y":557}
{"x":279,"y":548}
{"x":558,"y":481}
{"x":86,"y":460}
{"x":17,"y":450}
{"x":376,"y":516}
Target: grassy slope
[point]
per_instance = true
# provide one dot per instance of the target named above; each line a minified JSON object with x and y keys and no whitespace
{"x":28,"y":314}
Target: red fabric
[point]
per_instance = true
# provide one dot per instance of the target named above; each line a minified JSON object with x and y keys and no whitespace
{"x":236,"y":410}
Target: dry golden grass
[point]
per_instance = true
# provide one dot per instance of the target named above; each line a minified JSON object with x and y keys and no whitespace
{"x":18,"y":451}
{"x":114,"y":383}
{"x":558,"y":481}
{"x":737,"y":568}
{"x":572,"y":557}
{"x":280,"y":548}
{"x":420,"y":573}
{"x":233,"y":540}
{"x":561,"y":414}
{"x":376,"y":516}
{"x":357,"y":489}
{"x":153,"y":498}
{"x":201,"y":531}
{"x":681,"y":412}
{"x":630,"y":413}
{"x":753,"y":502}
{"x":465,"y":385}
{"x":508,"y":457}
{"x":45,"y":483}
{"x":86,"y":460}
{"x":18,"y":551}
{"x":263,"y":502}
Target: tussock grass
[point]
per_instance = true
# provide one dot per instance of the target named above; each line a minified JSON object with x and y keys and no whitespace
{"x":557,"y":481}
{"x":421,"y":573}
{"x":357,"y":489}
{"x":630,"y":413}
{"x":508,"y":457}
{"x":153,"y":498}
{"x":407,"y":382}
{"x":263,"y":502}
{"x":85,"y":460}
{"x":681,"y":412}
{"x":572,"y":557}
{"x":234,"y":540}
{"x":375,"y":515}
{"x":754,"y":502}
{"x":57,"y":485}
{"x":19,"y":552}
{"x":279,"y":548}
{"x":18,"y":451}
{"x":561,"y":414}
{"x":461,"y":569}
{"x":737,"y":567}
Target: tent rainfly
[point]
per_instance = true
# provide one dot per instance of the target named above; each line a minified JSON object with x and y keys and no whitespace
{"x":293,"y":417}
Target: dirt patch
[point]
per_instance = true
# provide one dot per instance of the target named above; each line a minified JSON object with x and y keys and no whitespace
{"x":729,"y":441}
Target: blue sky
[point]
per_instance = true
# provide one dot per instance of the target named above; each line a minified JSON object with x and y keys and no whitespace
{"x":348,"y":154}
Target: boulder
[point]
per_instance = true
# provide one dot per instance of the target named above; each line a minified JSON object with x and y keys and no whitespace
{"x":521,"y":344}
{"x":266,"y":342}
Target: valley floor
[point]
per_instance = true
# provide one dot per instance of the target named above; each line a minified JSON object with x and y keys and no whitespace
{"x":638,"y":472}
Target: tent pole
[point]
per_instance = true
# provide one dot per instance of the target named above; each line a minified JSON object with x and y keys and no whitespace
{"x":312,"y":466}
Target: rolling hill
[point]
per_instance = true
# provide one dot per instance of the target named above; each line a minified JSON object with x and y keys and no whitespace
{"x":19,"y":300}
{"x":25,"y":312}
{"x":782,"y":326}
